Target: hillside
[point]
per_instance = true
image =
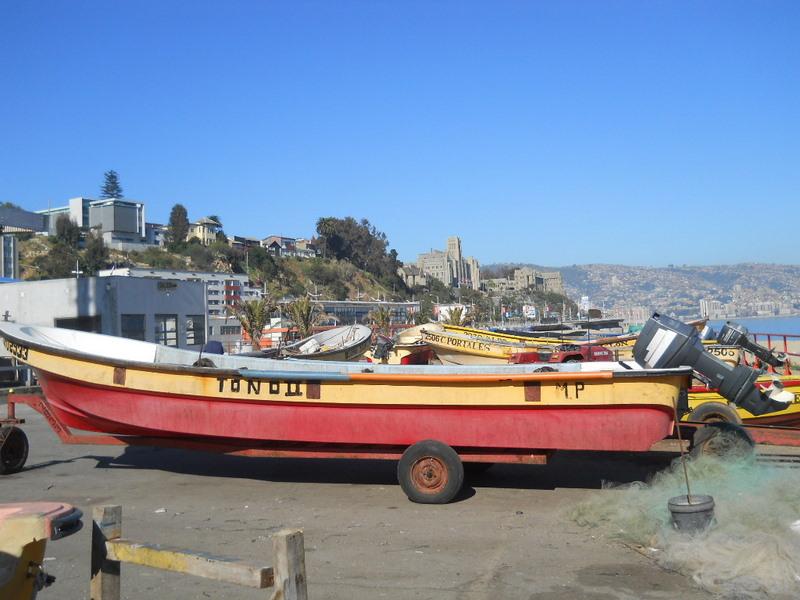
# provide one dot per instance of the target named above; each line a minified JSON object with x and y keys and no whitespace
{"x":327,"y":278}
{"x":748,"y":288}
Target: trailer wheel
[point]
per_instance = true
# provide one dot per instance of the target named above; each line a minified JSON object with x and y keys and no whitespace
{"x":430,"y":472}
{"x":722,"y":440}
{"x":715,"y":412}
{"x":14,"y":450}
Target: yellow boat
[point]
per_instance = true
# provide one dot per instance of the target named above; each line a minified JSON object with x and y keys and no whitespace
{"x":708,"y":405}
{"x":622,"y":346}
{"x":454,"y":348}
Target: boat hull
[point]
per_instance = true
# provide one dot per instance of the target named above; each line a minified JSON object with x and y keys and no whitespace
{"x":128,"y":387}
{"x":128,"y":412}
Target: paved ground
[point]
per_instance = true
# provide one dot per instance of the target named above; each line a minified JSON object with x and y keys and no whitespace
{"x":508,"y":537}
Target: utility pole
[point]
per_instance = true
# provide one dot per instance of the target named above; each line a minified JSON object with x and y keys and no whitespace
{"x":77,"y":272}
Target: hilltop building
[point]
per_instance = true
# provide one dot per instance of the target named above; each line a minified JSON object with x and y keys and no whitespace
{"x":205,"y":230}
{"x":412,"y":275}
{"x":120,"y":222}
{"x":451,"y":267}
{"x":17,"y":220}
{"x":525,"y":278}
{"x":279,"y":245}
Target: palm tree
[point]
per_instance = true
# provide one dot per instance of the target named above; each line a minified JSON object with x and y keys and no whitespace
{"x":254,"y":316}
{"x":456,"y":316}
{"x":305,"y":314}
{"x":381,"y":317}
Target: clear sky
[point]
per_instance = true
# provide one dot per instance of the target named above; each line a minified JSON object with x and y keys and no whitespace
{"x":549,"y":132}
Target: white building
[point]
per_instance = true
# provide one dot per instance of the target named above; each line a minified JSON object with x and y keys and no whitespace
{"x":172,"y":313}
{"x":120,"y":222}
{"x":223,"y":290}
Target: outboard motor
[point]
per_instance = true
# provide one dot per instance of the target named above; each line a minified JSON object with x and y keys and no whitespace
{"x":382,"y":347}
{"x":666,"y":343}
{"x":733,"y":334}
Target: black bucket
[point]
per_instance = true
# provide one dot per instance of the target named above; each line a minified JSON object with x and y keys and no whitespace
{"x":691,"y":514}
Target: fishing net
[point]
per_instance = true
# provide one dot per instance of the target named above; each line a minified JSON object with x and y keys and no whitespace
{"x":752,"y":550}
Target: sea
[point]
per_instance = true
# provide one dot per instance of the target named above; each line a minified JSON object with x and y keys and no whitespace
{"x":790,"y":325}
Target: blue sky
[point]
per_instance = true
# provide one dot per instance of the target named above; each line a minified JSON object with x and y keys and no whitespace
{"x":546,"y":132}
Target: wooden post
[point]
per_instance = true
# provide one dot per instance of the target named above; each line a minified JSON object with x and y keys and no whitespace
{"x":106,"y":525}
{"x":289,"y":565}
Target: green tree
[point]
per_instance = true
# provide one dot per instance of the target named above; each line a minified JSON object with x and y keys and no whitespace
{"x":67,"y":231}
{"x":457,"y":316}
{"x":254,"y":315}
{"x":360,"y":243}
{"x":178,"y":228}
{"x":58,"y":263}
{"x":111,"y":187}
{"x":95,"y":255}
{"x":305,"y":315}
{"x":381,"y":318}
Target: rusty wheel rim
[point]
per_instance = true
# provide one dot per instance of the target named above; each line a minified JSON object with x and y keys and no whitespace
{"x":429,"y":475}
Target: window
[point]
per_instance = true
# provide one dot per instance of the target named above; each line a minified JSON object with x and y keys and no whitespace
{"x":133,"y":327}
{"x":90,"y":324}
{"x":230,"y":330}
{"x":195,"y":328}
{"x":167,"y":330}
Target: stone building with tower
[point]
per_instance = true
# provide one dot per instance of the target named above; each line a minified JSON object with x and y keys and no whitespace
{"x":451,"y":267}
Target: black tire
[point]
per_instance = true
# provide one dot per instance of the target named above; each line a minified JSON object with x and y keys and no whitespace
{"x":14,"y":451}
{"x":715,"y":412}
{"x":722,"y":440}
{"x":430,"y":472}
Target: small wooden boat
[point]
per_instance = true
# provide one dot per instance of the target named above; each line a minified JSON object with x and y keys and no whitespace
{"x":405,"y":348}
{"x":459,"y":349}
{"x":342,"y":343}
{"x":120,"y":386}
{"x":621,"y":345}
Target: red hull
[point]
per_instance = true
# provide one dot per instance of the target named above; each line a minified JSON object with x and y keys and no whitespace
{"x":127,"y":412}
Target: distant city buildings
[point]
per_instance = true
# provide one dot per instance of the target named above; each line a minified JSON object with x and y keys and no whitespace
{"x":451,"y":267}
{"x":527,"y":278}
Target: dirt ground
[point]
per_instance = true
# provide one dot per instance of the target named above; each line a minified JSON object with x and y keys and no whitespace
{"x":508,"y":536}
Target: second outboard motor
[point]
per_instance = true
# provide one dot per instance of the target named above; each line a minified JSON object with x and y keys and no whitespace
{"x":666,"y":343}
{"x":382,"y":347}
{"x":733,"y":334}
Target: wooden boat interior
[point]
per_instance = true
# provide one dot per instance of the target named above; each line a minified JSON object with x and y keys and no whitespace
{"x":105,"y":349}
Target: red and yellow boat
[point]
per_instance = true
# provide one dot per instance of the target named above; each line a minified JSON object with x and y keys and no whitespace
{"x":114,"y":385}
{"x":126,"y":387}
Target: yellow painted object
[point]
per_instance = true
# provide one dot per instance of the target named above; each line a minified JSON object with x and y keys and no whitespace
{"x":788,"y":417}
{"x":24,"y":531}
{"x":457,"y":348}
{"x":622,"y":345}
{"x":602,"y":388}
{"x":499,"y":337}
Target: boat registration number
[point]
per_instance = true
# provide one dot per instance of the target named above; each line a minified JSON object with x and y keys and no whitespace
{"x":20,"y":352}
{"x":257,"y":387}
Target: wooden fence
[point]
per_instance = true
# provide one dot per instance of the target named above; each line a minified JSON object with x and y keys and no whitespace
{"x":287,"y":576}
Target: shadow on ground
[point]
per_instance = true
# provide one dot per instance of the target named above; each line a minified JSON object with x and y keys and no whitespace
{"x":585,"y":470}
